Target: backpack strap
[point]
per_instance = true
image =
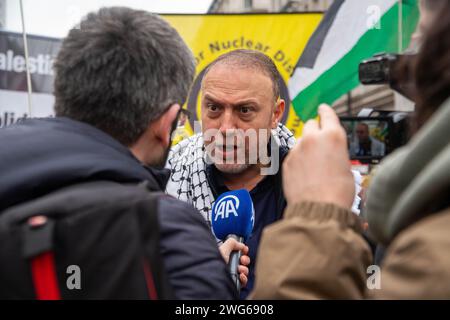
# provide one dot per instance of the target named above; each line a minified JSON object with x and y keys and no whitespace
{"x":38,"y":247}
{"x":150,"y":281}
{"x":44,"y":277}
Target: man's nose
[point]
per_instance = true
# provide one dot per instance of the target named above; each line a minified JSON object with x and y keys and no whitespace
{"x":228,"y":122}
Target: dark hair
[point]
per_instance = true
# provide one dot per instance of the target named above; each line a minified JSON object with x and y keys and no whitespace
{"x":432,"y":67}
{"x":250,"y":59}
{"x":119,"y":70}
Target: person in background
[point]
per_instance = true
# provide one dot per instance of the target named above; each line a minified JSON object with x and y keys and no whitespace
{"x":365,"y":145}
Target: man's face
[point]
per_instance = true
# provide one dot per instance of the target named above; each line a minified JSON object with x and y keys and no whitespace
{"x":362,"y":131}
{"x":235,"y":99}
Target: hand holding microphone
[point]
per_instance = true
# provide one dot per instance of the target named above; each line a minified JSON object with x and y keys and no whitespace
{"x":227,"y":248}
{"x":233,"y":218}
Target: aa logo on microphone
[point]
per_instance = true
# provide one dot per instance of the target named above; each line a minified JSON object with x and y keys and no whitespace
{"x":227,"y":206}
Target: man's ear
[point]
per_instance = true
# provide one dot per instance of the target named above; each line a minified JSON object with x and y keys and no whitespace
{"x":278,"y":113}
{"x":162,"y":127}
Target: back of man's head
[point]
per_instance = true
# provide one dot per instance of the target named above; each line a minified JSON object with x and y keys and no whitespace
{"x":119,"y":70}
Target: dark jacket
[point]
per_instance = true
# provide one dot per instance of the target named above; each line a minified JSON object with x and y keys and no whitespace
{"x":43,"y":155}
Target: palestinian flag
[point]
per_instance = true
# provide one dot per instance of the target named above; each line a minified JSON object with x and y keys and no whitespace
{"x":350,"y":31}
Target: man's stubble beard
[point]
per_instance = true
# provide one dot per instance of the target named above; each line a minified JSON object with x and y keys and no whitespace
{"x":241,"y":161}
{"x":232,"y":168}
{"x":161,"y":163}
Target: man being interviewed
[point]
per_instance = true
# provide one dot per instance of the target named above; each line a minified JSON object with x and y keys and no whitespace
{"x":241,"y":145}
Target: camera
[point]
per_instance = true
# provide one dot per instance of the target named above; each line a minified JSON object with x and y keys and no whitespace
{"x":378,"y":69}
{"x":374,"y":134}
{"x":391,"y":69}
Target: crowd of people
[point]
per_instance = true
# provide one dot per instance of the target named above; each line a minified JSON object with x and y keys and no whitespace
{"x":121,"y":79}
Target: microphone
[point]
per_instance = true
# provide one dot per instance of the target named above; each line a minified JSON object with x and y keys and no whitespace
{"x":233,"y":216}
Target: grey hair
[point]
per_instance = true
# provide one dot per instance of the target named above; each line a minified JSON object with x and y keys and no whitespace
{"x":250,"y":59}
{"x":119,"y":70}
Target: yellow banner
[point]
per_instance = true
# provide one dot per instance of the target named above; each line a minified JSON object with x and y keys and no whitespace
{"x":282,"y":37}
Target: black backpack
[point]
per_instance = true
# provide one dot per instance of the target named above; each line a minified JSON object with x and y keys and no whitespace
{"x":97,"y":240}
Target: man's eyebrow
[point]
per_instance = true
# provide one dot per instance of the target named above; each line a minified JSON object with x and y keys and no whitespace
{"x":208,"y":97}
{"x":237,"y":104}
